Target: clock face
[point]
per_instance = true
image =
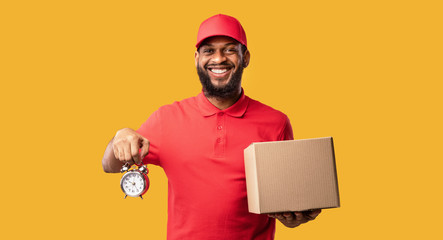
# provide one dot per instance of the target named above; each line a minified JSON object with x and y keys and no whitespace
{"x":133,"y":184}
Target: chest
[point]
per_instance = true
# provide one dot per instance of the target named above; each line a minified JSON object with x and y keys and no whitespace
{"x":213,"y":143}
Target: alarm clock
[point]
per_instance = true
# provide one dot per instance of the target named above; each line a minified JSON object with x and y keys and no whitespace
{"x":135,"y":181}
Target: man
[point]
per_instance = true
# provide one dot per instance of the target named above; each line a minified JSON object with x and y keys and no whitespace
{"x":199,"y":143}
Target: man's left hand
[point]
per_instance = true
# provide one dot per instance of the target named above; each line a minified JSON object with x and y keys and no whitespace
{"x":294,"y":219}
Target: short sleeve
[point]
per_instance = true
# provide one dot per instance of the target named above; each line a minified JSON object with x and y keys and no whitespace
{"x":151,"y":130}
{"x":286,"y":133}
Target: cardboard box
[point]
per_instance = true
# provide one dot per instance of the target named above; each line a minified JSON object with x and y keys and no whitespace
{"x":294,"y":175}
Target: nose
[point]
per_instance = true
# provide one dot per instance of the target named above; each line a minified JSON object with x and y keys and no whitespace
{"x":218,"y":57}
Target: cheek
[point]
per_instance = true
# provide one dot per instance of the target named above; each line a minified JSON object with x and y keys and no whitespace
{"x":237,"y":61}
{"x":202,"y":63}
{"x":201,"y":66}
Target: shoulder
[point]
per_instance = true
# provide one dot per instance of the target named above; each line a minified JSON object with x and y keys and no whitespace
{"x":176,"y":108}
{"x":257,"y":108}
{"x":273,"y":124}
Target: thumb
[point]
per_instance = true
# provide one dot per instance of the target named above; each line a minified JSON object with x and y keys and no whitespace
{"x":144,"y":147}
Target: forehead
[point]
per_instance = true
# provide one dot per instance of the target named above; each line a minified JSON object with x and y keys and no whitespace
{"x":219,"y":41}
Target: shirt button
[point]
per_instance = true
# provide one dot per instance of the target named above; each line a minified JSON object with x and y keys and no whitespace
{"x":221,"y":113}
{"x":220,"y":127}
{"x":218,"y":140}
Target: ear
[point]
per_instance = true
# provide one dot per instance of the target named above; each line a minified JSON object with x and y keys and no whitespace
{"x":196,"y":56}
{"x":246,"y":58}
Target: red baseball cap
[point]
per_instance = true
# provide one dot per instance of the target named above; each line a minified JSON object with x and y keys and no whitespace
{"x":221,"y":25}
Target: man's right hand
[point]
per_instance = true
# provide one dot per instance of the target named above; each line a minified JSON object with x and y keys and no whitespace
{"x":126,"y":146}
{"x":129,"y":146}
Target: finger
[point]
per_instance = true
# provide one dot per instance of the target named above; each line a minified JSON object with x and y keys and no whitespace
{"x":121,"y":154}
{"x":127,"y":151}
{"x":279,"y":216}
{"x":130,"y":162}
{"x":144,"y":148}
{"x":289,"y":216}
{"x":299,"y":216}
{"x":116,"y":153}
{"x":313,"y":214}
{"x":135,"y":155}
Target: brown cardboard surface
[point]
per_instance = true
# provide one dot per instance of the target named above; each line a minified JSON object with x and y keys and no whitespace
{"x":294,"y":175}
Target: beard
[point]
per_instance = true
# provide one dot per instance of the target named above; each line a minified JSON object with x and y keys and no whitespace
{"x":224,"y":92}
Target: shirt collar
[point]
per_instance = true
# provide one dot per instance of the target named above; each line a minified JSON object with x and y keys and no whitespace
{"x":236,"y":110}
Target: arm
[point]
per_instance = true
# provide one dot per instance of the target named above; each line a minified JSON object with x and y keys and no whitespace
{"x":126,"y":146}
{"x":294,"y":219}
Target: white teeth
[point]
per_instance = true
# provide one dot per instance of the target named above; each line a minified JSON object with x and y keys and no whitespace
{"x":219,"y":70}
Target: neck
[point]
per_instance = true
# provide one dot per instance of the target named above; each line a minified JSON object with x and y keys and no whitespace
{"x":224,"y":103}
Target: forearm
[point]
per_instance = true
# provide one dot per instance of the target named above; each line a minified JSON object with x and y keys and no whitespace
{"x":109,"y":162}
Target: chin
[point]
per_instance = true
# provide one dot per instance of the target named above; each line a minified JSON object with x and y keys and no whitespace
{"x":219,"y":85}
{"x":220,"y":82}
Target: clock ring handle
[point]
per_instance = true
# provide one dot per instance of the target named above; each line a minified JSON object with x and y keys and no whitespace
{"x":125,"y":167}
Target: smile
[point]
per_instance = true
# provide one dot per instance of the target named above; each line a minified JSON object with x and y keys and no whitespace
{"x":218,"y":70}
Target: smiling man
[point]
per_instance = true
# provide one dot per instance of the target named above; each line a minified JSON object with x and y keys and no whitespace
{"x":199,"y":143}
{"x":220,"y":61}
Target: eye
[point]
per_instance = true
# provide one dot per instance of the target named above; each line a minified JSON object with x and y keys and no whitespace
{"x":207,"y":50}
{"x":231,"y":50}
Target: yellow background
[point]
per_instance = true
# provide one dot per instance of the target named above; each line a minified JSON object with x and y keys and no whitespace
{"x":367,"y":73}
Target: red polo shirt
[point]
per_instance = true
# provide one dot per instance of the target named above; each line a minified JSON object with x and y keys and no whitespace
{"x":200,"y":148}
